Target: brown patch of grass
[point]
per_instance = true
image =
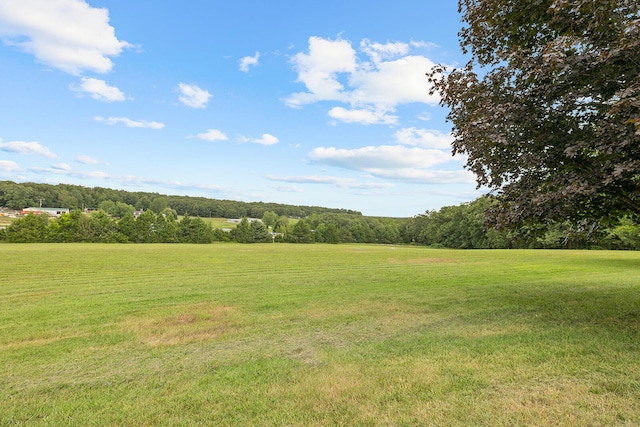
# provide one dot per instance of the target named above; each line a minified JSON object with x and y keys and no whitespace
{"x":304,"y":351}
{"x":558,"y":402}
{"x":342,"y":383}
{"x":183,"y":324}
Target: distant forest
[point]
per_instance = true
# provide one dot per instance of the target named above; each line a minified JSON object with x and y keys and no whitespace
{"x":29,"y":194}
{"x":179,"y":219}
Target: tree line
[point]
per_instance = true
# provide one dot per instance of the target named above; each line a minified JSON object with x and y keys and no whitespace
{"x":466,"y":227}
{"x":22,"y":195}
{"x":463,"y":227}
{"x":164,"y":227}
{"x":99,"y":227}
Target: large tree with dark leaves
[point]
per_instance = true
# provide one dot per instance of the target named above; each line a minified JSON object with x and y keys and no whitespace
{"x":548,"y":107}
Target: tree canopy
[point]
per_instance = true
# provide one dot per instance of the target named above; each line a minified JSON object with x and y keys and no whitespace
{"x":120,"y":203}
{"x":547,"y":110}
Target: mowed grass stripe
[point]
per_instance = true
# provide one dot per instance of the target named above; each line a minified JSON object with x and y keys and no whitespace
{"x":282,"y":334}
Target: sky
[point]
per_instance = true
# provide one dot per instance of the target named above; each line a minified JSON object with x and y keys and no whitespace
{"x":304,"y":103}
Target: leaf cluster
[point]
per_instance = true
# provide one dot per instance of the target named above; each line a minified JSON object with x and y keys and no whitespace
{"x":547,"y":110}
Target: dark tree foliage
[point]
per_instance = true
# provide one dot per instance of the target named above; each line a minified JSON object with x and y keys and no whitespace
{"x":251,"y":232}
{"x":548,"y":108}
{"x":452,"y":227}
{"x":458,"y":227}
{"x":300,"y":232}
{"x":29,"y":229}
{"x":260,"y":233}
{"x":462,"y":227}
{"x":120,"y":202}
{"x":98,"y":227}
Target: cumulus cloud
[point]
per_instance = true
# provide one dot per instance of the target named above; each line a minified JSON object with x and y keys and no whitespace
{"x":68,"y":35}
{"x":380,"y":157}
{"x":212,"y":135}
{"x":401,"y":81}
{"x":266,"y":139}
{"x":376,"y":81}
{"x":249,"y":61}
{"x":66,"y":170}
{"x":98,"y":89}
{"x":329,"y":180}
{"x":425,"y":176}
{"x":396,"y":162}
{"x":9,"y":166}
{"x":87,"y":160}
{"x":318,"y":70}
{"x":423,"y":44}
{"x":193,"y":96}
{"x":129,"y":123}
{"x":362,"y":116}
{"x":379,"y":52}
{"x":423,"y":138}
{"x":62,"y":167}
{"x":22,"y":147}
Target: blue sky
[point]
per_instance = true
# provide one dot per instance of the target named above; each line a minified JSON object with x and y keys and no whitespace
{"x":319,"y":103}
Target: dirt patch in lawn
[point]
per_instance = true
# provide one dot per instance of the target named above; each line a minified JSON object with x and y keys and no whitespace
{"x":183,"y":324}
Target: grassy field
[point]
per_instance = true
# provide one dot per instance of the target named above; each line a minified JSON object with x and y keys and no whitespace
{"x":358,"y":335}
{"x":218,"y":222}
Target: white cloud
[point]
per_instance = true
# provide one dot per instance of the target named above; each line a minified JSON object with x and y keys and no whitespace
{"x":249,"y":61}
{"x":212,"y":135}
{"x":365,"y":117}
{"x":9,"y":166}
{"x":318,"y":70}
{"x":328,"y":180}
{"x":423,"y":44}
{"x":91,"y":175}
{"x":425,"y":176}
{"x":425,"y":116}
{"x":193,"y":96}
{"x":66,"y":170}
{"x":99,"y":89}
{"x":87,"y":160}
{"x":379,"y":52}
{"x":22,"y":147}
{"x":62,"y":167}
{"x":288,"y":189}
{"x":423,"y":138}
{"x":129,"y":123}
{"x":66,"y":34}
{"x":396,"y":162}
{"x":385,"y":76}
{"x":266,"y":139}
{"x":380,"y":157}
{"x":133,"y":180}
{"x":390,"y":83}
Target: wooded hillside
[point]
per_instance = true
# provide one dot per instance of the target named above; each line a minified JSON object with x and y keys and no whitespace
{"x":21,"y":195}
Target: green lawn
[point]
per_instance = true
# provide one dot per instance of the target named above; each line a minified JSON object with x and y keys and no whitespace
{"x":310,"y":335}
{"x":218,"y":222}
